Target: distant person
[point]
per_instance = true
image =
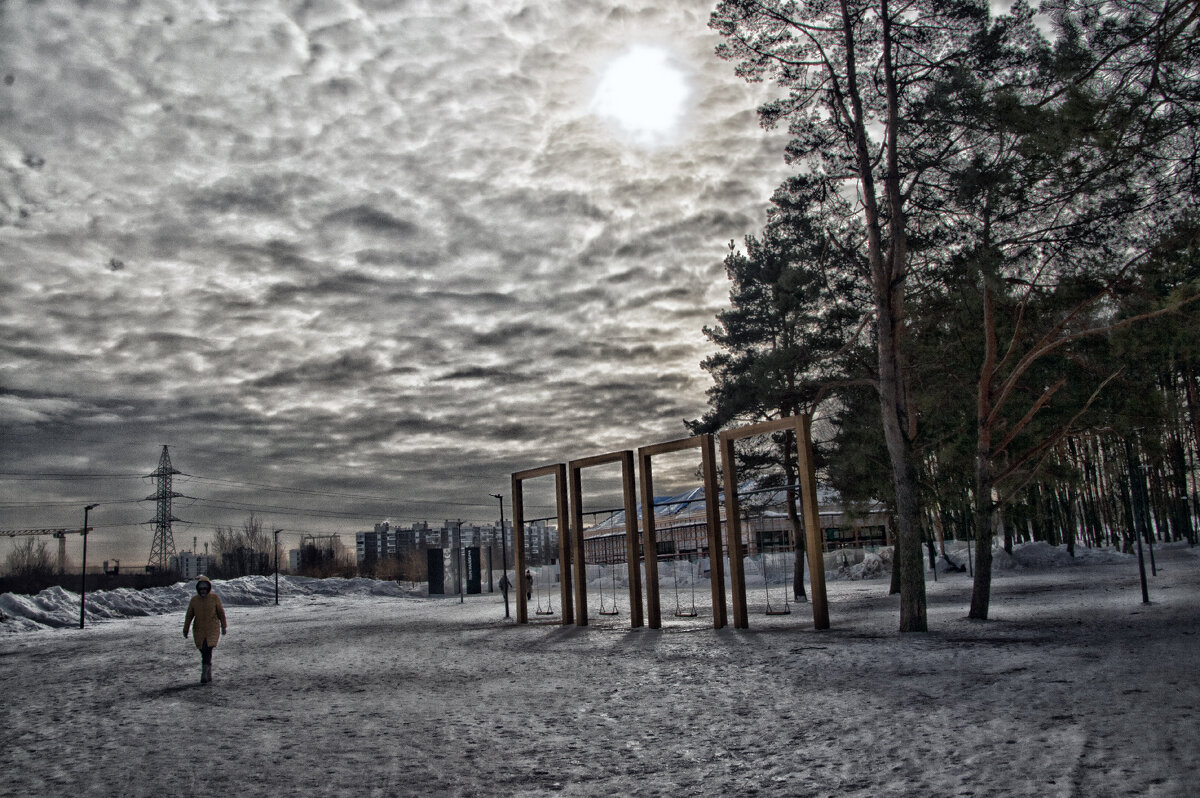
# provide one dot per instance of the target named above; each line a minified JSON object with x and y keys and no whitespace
{"x":528,"y":585}
{"x":504,"y":584}
{"x":206,"y":618}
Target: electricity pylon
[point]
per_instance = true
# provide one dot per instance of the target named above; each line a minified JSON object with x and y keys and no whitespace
{"x":162,"y":550}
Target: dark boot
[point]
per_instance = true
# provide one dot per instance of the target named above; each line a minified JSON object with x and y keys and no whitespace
{"x":205,"y":673}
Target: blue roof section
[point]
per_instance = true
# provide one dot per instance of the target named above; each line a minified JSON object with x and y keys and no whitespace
{"x":664,"y":507}
{"x":692,"y":501}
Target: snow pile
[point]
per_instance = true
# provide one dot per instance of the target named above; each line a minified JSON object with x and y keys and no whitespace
{"x":56,"y":608}
{"x":1043,"y":555}
{"x":871,"y":567}
{"x":59,"y":608}
{"x":50,"y":608}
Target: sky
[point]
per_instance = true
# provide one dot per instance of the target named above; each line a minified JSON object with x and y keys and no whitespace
{"x":354,"y":261}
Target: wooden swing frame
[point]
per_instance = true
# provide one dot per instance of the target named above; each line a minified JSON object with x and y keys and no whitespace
{"x":801,"y":425}
{"x":712,"y":512}
{"x":559,"y":472}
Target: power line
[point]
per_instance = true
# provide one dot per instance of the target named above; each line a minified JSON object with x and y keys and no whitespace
{"x":37,"y":505}
{"x":227,"y":504}
{"x":221,"y":504}
{"x":310,"y":492}
{"x":47,"y":476}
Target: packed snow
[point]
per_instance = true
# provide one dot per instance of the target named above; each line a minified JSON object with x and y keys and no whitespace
{"x":1075,"y":687}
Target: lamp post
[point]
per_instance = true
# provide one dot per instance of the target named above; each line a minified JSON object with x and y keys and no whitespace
{"x":277,"y":531}
{"x":83,"y":568}
{"x":503,"y":550}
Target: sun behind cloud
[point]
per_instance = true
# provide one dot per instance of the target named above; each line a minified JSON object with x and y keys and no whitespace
{"x":644,"y":94}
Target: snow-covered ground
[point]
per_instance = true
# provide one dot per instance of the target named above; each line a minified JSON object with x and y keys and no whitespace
{"x":357,"y":688}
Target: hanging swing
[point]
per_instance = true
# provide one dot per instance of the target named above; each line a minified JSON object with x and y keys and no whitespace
{"x":610,"y":561}
{"x":680,"y":612}
{"x":786,"y":609}
{"x":613,"y":609}
{"x":549,"y":605}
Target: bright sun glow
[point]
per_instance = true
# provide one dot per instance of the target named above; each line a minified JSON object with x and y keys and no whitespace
{"x":643,"y":94}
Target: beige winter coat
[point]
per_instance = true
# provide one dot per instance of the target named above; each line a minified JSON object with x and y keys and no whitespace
{"x":206,"y":616}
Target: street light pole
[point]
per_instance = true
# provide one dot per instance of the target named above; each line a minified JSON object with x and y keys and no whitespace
{"x":83,"y":568}
{"x":503,"y":551}
{"x":277,"y":531}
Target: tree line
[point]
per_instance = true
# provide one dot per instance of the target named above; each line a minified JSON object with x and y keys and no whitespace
{"x":250,"y":550}
{"x":982,"y":277}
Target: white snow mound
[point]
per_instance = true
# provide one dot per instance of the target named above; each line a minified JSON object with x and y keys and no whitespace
{"x":56,"y":608}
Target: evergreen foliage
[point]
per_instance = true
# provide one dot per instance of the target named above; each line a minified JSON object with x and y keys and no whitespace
{"x":1005,"y":209}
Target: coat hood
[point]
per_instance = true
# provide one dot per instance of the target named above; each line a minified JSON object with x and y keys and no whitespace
{"x":202,"y":578}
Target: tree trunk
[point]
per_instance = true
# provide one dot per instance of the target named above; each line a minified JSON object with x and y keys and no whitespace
{"x":1127,"y":503}
{"x":1192,"y":393}
{"x":894,"y":582}
{"x":1069,"y":509}
{"x":907,"y":559}
{"x":888,"y":263}
{"x":938,"y":531}
{"x":1179,"y":490}
{"x":981,"y":587}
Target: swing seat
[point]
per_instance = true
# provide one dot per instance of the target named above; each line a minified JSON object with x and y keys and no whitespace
{"x":784,"y":611}
{"x":544,"y":612}
{"x":685,"y":614}
{"x":609,"y":612}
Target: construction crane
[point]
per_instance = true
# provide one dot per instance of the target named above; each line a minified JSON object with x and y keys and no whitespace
{"x":61,"y":534}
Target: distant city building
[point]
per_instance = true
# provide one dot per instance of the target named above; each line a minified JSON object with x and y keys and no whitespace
{"x":387,"y":541}
{"x":189,"y":565}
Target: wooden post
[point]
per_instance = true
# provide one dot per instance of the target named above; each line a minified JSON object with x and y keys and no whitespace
{"x":812,"y":522}
{"x":518,"y":502}
{"x":580,"y":561}
{"x":564,"y":545}
{"x":632,"y":542}
{"x":712,"y":509}
{"x":733,"y":527}
{"x":650,"y":541}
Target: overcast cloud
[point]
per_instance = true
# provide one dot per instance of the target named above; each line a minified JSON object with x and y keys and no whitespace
{"x":390,"y":249}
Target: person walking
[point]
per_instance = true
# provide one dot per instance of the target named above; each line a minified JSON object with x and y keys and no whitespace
{"x":206,"y":618}
{"x":528,"y":585}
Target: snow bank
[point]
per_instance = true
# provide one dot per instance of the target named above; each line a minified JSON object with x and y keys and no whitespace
{"x":871,"y":567}
{"x":59,"y":608}
{"x":56,"y":608}
{"x":1043,"y":555}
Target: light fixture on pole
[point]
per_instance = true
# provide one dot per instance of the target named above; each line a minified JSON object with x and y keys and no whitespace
{"x":83,"y":568}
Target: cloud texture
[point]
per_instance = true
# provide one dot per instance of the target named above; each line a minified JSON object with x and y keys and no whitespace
{"x":381,"y":248}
